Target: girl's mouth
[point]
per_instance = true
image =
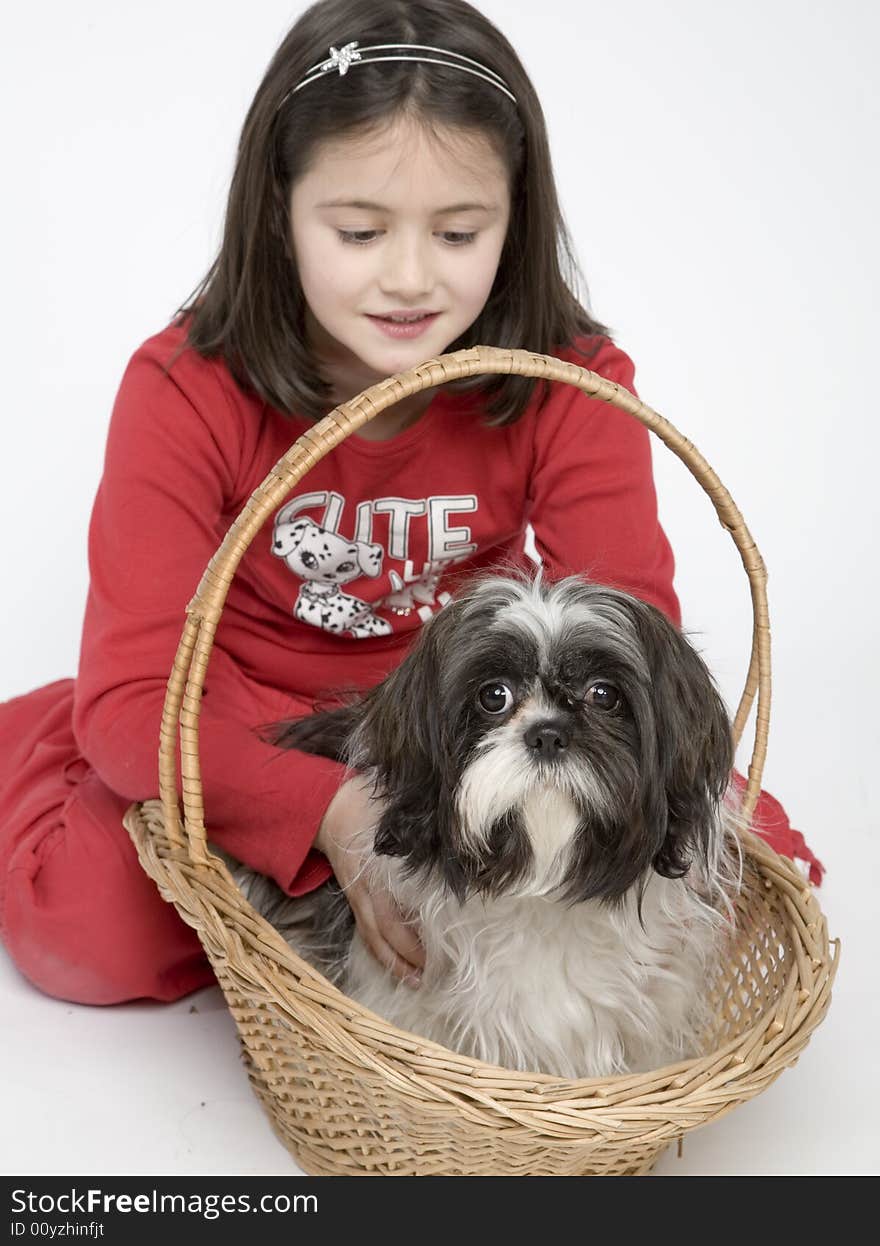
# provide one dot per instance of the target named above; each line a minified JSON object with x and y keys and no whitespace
{"x":398,"y":329}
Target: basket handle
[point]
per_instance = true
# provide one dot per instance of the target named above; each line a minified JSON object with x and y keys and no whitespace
{"x":186,"y":682}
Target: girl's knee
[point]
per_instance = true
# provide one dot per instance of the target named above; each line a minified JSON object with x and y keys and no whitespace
{"x":82,"y":920}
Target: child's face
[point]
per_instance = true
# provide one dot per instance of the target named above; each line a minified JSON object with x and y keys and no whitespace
{"x":409,"y":254}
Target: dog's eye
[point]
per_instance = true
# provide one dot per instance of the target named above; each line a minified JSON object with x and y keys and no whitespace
{"x":345,"y":566}
{"x":495,"y":697}
{"x":602,"y":696}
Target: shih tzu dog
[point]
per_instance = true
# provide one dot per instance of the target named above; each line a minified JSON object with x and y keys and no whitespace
{"x":551,"y":765}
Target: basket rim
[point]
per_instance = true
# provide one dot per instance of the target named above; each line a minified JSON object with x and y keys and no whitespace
{"x":665,"y":1083}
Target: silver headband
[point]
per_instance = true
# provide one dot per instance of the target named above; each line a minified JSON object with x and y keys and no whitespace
{"x":343,"y":58}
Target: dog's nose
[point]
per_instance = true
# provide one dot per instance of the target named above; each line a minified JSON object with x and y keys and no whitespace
{"x":548,"y":739}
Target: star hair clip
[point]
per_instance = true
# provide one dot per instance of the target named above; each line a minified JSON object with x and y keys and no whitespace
{"x":341,"y":58}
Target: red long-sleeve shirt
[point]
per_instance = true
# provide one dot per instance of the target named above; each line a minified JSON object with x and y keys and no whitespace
{"x":332,"y":590}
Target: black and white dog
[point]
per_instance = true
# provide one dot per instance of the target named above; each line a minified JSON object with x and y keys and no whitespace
{"x":552,"y":770}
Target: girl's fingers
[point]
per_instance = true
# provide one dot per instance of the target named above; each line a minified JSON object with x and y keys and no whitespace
{"x":392,"y":961}
{"x":397,"y":961}
{"x":402,"y":969}
{"x":401,"y":935}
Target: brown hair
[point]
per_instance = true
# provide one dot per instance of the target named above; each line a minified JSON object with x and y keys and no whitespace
{"x":250,"y":307}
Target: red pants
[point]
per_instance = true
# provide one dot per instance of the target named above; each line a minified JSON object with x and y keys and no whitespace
{"x":78,"y":915}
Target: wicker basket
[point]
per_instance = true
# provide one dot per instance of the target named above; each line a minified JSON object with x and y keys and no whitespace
{"x":346,"y":1091}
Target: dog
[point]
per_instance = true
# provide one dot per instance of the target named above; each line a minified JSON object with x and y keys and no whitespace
{"x":551,"y":764}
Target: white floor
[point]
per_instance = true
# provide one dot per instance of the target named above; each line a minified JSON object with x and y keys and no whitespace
{"x":145,"y":1089}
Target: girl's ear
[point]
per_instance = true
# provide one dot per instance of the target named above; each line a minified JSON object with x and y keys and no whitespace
{"x":692,"y":746}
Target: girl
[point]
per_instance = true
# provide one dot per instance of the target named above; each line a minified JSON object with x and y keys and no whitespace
{"x":393,"y":166}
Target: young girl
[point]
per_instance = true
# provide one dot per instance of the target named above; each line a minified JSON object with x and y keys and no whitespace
{"x":394,"y":165}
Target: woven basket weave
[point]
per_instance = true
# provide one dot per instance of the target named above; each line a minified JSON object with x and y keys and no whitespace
{"x":349,"y":1093}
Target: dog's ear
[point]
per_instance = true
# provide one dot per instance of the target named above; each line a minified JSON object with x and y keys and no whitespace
{"x":398,"y":730}
{"x":369,"y":558}
{"x":692,"y":746}
{"x":326,"y":733}
{"x":404,"y":725}
{"x":395,"y":727}
{"x":405,"y":737}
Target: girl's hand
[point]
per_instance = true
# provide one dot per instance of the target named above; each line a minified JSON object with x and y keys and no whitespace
{"x":382,"y":925}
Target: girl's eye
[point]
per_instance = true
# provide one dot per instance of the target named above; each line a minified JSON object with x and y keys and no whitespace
{"x":363,"y":237}
{"x":495,"y":697}
{"x":602,"y":696}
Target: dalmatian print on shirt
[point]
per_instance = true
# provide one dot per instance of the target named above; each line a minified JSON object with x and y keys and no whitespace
{"x":324,"y":560}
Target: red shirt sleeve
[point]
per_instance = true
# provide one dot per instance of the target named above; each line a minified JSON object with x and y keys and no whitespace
{"x":592,"y":502}
{"x":161,"y":511}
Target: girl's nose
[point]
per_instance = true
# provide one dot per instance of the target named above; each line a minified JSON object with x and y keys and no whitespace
{"x":407,"y":268}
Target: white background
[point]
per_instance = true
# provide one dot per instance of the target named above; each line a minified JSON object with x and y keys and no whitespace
{"x":718,"y":170}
